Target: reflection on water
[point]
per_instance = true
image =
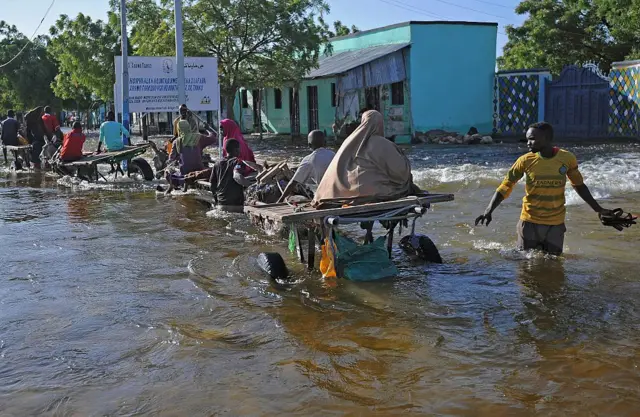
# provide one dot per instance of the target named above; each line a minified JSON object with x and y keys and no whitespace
{"x":127,"y":303}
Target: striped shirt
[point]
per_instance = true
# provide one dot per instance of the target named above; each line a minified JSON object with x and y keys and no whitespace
{"x":546,"y":178}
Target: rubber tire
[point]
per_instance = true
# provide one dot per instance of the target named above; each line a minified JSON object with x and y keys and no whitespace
{"x":143,"y":167}
{"x":273,"y":265}
{"x":426,"y":249}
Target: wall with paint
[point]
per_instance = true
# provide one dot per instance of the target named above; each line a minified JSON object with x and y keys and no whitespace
{"x":624,"y":99}
{"x":452,"y":69}
{"x":399,"y":33}
{"x":518,"y":101}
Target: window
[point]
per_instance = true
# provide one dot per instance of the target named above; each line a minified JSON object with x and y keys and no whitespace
{"x":245,"y":100}
{"x":333,"y":95}
{"x":397,"y":94}
{"x":278,"y":98}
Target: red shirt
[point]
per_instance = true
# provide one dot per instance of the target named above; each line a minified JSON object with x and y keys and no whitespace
{"x":51,"y":123}
{"x":72,"y":145}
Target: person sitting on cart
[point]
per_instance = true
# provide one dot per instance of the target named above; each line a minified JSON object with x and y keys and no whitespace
{"x":367,"y":168}
{"x":112,"y":134}
{"x":227,"y":181}
{"x":72,"y":144}
{"x":51,"y":126}
{"x":313,"y":166}
{"x":187,"y":152}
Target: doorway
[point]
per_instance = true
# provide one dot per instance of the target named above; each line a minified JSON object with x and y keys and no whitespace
{"x":294,"y":111}
{"x":312,"y":100}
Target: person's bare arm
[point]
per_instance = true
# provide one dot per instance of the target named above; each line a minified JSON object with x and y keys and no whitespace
{"x":240,"y":179}
{"x":504,"y":190}
{"x":585,"y":194}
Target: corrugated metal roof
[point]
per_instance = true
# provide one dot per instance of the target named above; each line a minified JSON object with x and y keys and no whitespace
{"x":344,"y":61}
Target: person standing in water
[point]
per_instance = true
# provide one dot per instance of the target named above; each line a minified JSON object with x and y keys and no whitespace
{"x":184,"y":114}
{"x":51,"y":126}
{"x":10,"y":131}
{"x":227,"y":180}
{"x":112,"y":134}
{"x":546,"y":168}
{"x":35,"y":131}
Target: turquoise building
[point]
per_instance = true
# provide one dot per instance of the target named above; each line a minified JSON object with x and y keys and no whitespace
{"x":419,"y":75}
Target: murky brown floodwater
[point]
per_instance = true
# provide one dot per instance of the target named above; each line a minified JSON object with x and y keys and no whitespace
{"x":127,"y":303}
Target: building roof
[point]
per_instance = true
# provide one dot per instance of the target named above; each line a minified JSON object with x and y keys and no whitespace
{"x":344,"y":61}
{"x":414,"y":22}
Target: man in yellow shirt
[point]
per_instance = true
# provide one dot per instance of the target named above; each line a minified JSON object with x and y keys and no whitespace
{"x":546,"y":169}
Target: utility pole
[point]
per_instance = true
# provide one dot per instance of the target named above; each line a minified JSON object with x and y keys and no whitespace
{"x":179,"y":51}
{"x":125,"y":64}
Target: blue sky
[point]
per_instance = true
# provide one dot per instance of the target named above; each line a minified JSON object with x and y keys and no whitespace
{"x":366,"y":14}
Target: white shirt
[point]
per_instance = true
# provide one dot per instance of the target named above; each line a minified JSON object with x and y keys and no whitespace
{"x":313,"y":166}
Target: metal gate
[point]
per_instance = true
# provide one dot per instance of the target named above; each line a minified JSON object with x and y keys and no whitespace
{"x":577,"y":103}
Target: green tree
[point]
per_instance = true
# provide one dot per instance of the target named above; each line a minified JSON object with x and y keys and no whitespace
{"x":85,"y":51}
{"x":257,"y":42}
{"x":563,"y":32}
{"x":26,"y":82}
{"x":341,"y":30}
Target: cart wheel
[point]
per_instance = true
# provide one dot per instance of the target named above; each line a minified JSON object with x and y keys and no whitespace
{"x":273,"y":264}
{"x":422,"y":247}
{"x":141,"y":166}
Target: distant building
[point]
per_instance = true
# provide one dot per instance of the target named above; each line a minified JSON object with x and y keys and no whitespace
{"x":419,"y":75}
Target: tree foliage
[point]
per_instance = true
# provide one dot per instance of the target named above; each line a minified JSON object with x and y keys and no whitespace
{"x":85,"y":51}
{"x":26,"y":82}
{"x":258,"y":43}
{"x":341,"y":30}
{"x":563,"y":32}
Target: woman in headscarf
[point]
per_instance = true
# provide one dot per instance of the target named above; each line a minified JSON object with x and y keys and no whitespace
{"x":35,"y":131}
{"x":367,"y":168}
{"x":231,"y":130}
{"x":187,"y":150}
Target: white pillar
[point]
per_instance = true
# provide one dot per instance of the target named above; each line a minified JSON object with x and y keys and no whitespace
{"x":179,"y":51}
{"x":125,"y":64}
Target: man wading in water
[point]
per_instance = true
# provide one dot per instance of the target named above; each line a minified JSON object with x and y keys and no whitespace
{"x":546,"y":168}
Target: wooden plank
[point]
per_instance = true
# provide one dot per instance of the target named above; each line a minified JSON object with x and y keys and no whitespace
{"x":17,"y":148}
{"x":286,"y":214}
{"x":103,"y":157}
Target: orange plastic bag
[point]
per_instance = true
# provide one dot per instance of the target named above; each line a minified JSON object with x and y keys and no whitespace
{"x":169,"y":147}
{"x":22,"y":141}
{"x":327,"y":266}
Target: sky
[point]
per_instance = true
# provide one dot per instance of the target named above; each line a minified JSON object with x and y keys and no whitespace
{"x":365,"y":14}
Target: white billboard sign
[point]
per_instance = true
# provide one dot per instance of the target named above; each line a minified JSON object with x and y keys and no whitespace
{"x":153,"y":84}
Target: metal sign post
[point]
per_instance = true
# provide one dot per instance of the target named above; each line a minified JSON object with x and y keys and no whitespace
{"x":179,"y":51}
{"x":125,"y":64}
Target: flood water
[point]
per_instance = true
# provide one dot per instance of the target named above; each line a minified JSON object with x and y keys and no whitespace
{"x":123,"y":302}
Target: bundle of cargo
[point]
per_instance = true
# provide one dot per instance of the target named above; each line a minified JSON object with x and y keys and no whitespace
{"x":270,"y":184}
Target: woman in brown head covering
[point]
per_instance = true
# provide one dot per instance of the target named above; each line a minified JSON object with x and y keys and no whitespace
{"x":367,"y":168}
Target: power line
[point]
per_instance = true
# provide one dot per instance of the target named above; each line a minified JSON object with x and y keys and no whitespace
{"x":418,"y":10}
{"x":496,"y":4}
{"x":32,"y":36}
{"x":414,"y":9}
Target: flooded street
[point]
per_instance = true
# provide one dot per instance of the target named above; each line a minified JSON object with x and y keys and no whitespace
{"x":128,"y":303}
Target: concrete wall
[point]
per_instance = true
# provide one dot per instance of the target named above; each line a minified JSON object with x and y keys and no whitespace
{"x":277,"y":120}
{"x":452,"y":69}
{"x":326,"y":113}
{"x":374,"y":37}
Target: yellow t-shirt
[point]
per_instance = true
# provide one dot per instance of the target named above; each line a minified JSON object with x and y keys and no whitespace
{"x":546,"y":178}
